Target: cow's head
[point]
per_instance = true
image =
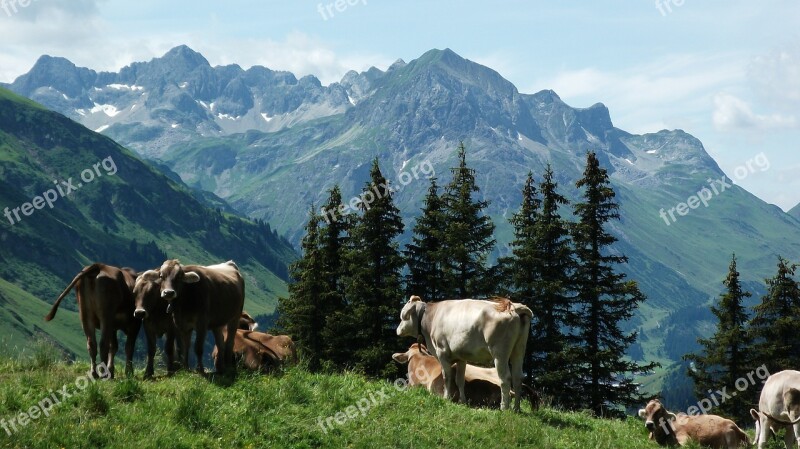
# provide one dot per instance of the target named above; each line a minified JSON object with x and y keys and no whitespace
{"x":247,"y":322}
{"x":657,"y":420}
{"x":173,"y":277}
{"x":146,"y":293}
{"x":410,"y":317}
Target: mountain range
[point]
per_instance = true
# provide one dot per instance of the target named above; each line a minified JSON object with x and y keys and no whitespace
{"x":271,"y":145}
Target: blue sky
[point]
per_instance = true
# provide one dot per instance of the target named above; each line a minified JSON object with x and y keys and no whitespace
{"x":727,"y":72}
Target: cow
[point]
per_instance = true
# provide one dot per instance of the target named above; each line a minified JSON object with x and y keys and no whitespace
{"x":247,"y":322}
{"x":668,"y":429}
{"x":481,"y":385}
{"x":203,"y":298}
{"x":779,"y":407}
{"x":105,"y":302}
{"x":262,"y":351}
{"x":474,"y":331}
{"x":157,"y":322}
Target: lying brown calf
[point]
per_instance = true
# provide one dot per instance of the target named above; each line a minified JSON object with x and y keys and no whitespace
{"x":668,"y":429}
{"x":261,"y":351}
{"x":481,"y":387}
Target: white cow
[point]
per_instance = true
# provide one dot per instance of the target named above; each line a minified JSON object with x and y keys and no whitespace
{"x":779,"y":407}
{"x":465,"y":331}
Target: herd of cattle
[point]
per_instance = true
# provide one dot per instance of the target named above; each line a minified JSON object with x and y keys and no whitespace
{"x":459,"y":335}
{"x":172,"y":301}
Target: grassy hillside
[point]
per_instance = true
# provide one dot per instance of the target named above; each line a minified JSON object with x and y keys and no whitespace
{"x":279,"y":411}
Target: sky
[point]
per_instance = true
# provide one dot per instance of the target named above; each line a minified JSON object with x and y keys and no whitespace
{"x":725,"y":71}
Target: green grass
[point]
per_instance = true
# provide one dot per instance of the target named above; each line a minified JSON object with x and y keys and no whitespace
{"x":276,"y":411}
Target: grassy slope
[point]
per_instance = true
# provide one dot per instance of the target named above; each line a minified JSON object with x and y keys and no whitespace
{"x":277,"y":411}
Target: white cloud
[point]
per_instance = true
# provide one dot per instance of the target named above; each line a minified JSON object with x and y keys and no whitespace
{"x":732,"y":113}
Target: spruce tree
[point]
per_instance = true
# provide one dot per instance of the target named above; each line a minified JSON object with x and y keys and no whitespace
{"x":333,"y":241}
{"x":373,"y":286}
{"x":424,"y":255}
{"x":555,"y":301}
{"x":603,"y":377}
{"x":775,"y":324}
{"x":724,"y":356}
{"x":301,"y":315}
{"x":469,"y":236}
{"x":522,"y":270}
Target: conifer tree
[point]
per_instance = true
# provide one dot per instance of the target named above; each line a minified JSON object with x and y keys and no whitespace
{"x":424,"y":255}
{"x":555,"y":301}
{"x":724,"y":356}
{"x":603,"y":377}
{"x":373,"y":285}
{"x":522,"y":270}
{"x":469,"y":236}
{"x":301,"y":315}
{"x":333,"y":241}
{"x":775,"y":324}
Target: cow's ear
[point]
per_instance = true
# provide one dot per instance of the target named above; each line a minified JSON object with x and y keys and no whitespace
{"x":400,"y":357}
{"x":671,"y":416}
{"x":150,"y":276}
{"x":190,"y":277}
{"x":642,"y":413}
{"x":754,"y":413}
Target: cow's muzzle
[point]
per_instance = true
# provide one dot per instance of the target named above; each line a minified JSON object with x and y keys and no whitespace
{"x":168,"y":294}
{"x":140,"y":313}
{"x":650,"y":425}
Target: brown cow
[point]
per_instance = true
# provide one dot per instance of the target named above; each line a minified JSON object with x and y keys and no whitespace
{"x":157,"y":322}
{"x":201,"y":299}
{"x":482,"y":385}
{"x":709,"y":430}
{"x":105,"y":301}
{"x":261,"y":351}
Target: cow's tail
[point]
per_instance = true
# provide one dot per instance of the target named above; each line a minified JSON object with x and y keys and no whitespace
{"x":788,"y":421}
{"x":86,"y":271}
{"x":523,"y":311}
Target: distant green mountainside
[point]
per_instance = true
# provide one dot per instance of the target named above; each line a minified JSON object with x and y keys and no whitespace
{"x":107,"y":206}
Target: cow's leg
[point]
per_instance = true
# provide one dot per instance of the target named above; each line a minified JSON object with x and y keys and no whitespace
{"x":151,"y":337}
{"x":169,"y":350}
{"x":229,"y":342}
{"x":219,"y":343}
{"x":447,"y":376}
{"x":461,"y":367}
{"x":91,"y":345}
{"x":788,"y":437}
{"x":199,"y":341}
{"x":106,"y":336}
{"x":113,"y":348}
{"x":795,"y":431}
{"x":185,"y":341}
{"x":130,"y":345}
{"x":503,"y":371}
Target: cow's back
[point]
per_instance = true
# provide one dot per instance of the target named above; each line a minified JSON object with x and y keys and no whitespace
{"x":220,"y":292}
{"x":708,"y":430}
{"x":467,"y":328}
